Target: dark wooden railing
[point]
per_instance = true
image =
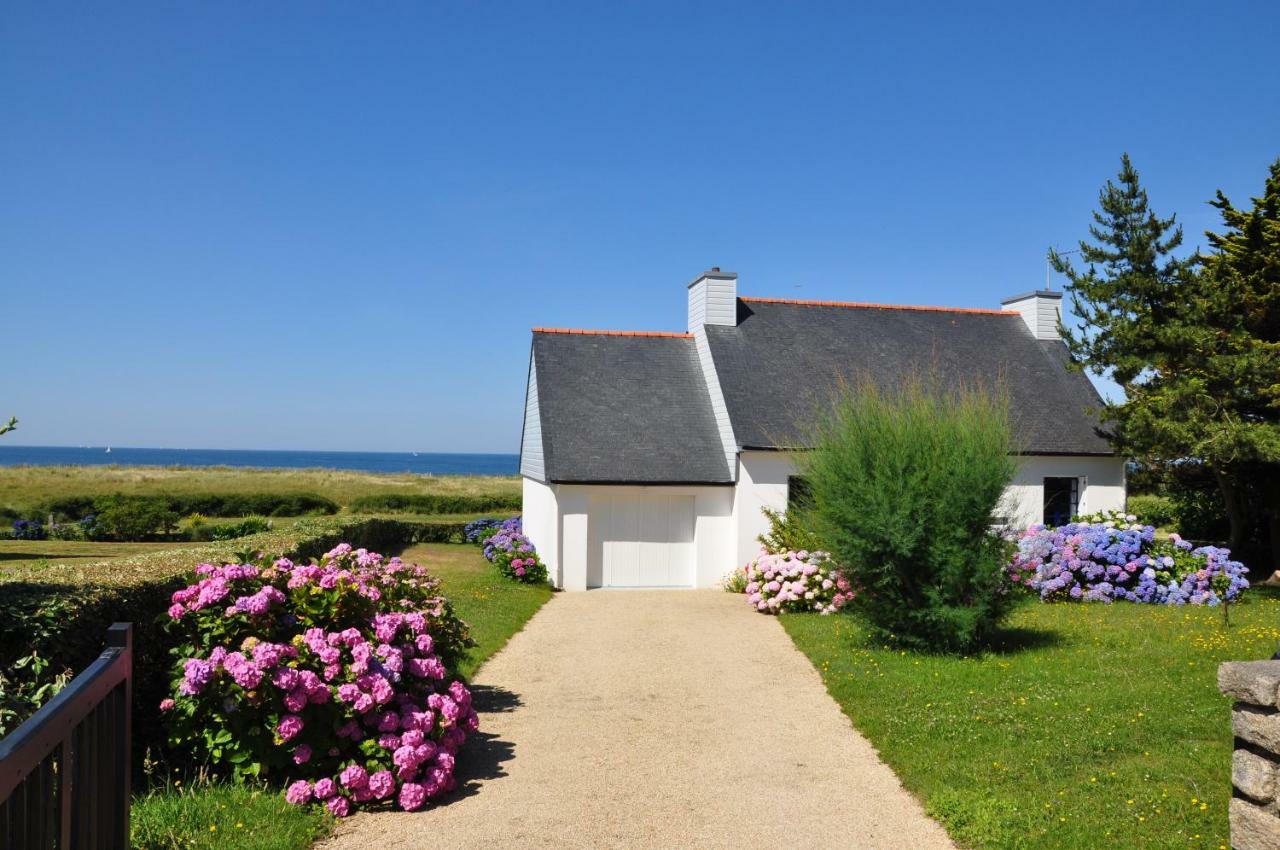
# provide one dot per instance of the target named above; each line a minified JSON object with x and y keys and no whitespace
{"x":64,"y":774}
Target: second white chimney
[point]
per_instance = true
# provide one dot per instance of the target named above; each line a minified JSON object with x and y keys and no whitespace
{"x":1041,"y":310}
{"x":713,"y":299}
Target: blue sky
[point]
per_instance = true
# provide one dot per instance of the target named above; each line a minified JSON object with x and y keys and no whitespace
{"x":331,"y":226}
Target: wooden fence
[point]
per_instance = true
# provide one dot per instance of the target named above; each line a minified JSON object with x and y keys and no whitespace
{"x":64,"y":774}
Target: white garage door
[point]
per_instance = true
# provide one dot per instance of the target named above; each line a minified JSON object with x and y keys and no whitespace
{"x":640,"y":541}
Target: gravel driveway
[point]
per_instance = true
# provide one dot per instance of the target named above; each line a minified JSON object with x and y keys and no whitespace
{"x":657,"y":719}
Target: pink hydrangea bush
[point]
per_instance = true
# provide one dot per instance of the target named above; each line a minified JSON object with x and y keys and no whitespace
{"x":331,"y":678}
{"x":796,"y":581}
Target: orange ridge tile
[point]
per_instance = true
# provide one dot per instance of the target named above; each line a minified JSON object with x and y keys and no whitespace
{"x":870,"y":306}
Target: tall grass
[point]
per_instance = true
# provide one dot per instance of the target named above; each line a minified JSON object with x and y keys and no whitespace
{"x":24,"y":487}
{"x":905,"y":484}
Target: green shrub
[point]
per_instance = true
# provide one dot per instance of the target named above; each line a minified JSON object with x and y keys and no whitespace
{"x":905,"y":486}
{"x":789,"y":531}
{"x":235,"y":530}
{"x":421,"y":503}
{"x":74,"y":508}
{"x":1159,"y":511}
{"x":131,"y":518}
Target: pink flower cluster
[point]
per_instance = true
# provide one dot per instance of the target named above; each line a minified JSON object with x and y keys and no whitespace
{"x":338,"y":664}
{"x":796,"y":581}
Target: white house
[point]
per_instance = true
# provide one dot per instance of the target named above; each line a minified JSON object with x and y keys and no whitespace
{"x":647,"y":457}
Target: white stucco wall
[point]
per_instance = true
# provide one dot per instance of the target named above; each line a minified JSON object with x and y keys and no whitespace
{"x":1102,"y":485}
{"x":728,"y":520}
{"x":540,"y":514}
{"x":762,"y":482}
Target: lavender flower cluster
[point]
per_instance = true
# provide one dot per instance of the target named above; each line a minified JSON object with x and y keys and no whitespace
{"x":1111,"y":560}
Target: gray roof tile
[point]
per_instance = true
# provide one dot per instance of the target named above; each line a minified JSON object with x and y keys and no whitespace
{"x":625,"y":408}
{"x":783,"y":360}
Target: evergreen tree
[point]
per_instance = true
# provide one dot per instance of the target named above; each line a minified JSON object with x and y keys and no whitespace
{"x":1131,"y":283}
{"x":1233,"y":382}
{"x":1195,"y":344}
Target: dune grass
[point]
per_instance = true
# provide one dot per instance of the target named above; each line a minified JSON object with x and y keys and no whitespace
{"x":24,"y":486}
{"x":1090,"y":725}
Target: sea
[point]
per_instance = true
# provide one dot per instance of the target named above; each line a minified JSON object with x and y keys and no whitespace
{"x":426,"y":463}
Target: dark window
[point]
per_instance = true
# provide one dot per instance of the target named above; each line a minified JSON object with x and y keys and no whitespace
{"x":798,"y":495}
{"x":1061,"y":500}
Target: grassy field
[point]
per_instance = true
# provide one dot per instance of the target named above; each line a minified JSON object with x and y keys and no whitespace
{"x":1091,"y":725}
{"x":23,"y":486}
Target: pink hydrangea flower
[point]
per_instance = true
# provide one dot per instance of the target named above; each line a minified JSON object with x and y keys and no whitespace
{"x":289,"y":726}
{"x":299,"y":792}
{"x":412,"y":796}
{"x":382,"y":784}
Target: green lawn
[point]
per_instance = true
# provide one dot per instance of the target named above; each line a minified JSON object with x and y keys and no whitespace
{"x":223,"y":817}
{"x":1091,"y":726}
{"x":496,"y":607}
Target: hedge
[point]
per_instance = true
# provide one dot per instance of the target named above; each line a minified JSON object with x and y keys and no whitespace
{"x":413,"y":503}
{"x":1159,"y":511}
{"x":62,"y":611}
{"x":74,"y":508}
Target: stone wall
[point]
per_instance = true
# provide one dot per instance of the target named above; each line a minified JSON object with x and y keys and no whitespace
{"x":1255,"y":764}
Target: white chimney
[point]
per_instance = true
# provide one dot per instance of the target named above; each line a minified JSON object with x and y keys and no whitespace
{"x":713,"y":299}
{"x":1041,"y":310}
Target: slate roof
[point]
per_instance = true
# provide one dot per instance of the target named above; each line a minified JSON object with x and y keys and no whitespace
{"x":785,"y":358}
{"x":621,"y":407}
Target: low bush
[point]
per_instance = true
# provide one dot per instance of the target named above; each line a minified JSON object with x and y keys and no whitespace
{"x":236,"y":530}
{"x":29,"y":529}
{"x":1106,"y":561}
{"x":130,"y":518}
{"x":1159,"y":511}
{"x":331,"y":675}
{"x":796,"y":581}
{"x":906,"y":484}
{"x":434,"y":503}
{"x":74,"y":508}
{"x":735,"y":582}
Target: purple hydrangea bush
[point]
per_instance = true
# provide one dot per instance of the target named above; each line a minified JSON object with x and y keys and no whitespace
{"x":1118,"y":558}
{"x":513,"y":554}
{"x":796,"y":581}
{"x":331,"y":677}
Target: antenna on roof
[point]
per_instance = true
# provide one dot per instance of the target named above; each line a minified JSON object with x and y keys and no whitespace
{"x":1048,"y":267}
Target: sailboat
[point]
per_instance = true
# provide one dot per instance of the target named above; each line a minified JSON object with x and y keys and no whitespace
{"x":108,"y":449}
